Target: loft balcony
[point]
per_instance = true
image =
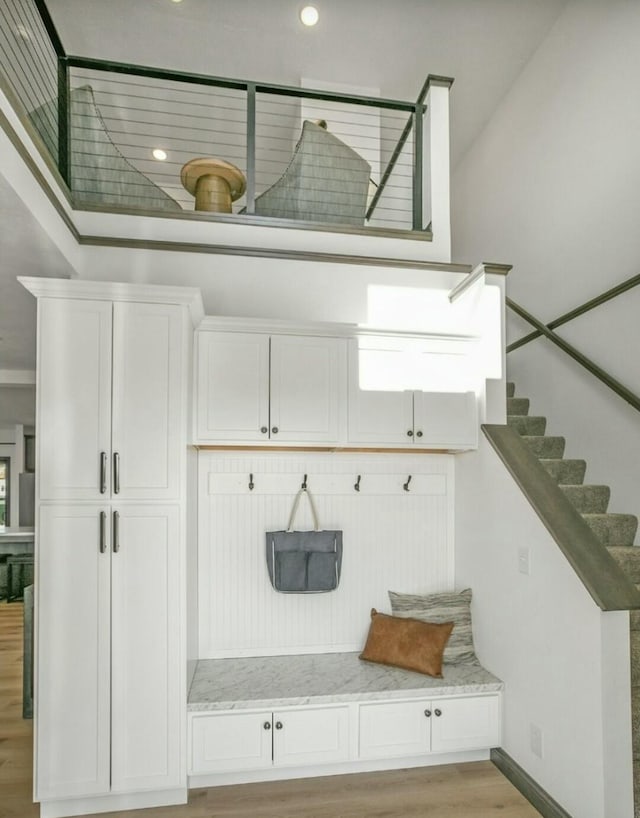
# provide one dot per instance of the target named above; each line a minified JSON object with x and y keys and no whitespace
{"x":242,"y":163}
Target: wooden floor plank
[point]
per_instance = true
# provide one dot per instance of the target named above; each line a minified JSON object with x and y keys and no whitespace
{"x":451,"y":791}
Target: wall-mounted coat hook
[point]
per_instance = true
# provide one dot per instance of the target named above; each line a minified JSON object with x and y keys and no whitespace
{"x":304,"y":483}
{"x":405,"y":486}
{"x":251,"y":483}
{"x":357,"y":483}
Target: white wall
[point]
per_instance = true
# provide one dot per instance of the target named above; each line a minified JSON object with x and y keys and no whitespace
{"x":565,"y":664}
{"x":392,"y":540}
{"x":551,"y":186}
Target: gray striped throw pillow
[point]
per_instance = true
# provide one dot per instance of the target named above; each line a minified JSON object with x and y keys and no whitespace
{"x":443,"y":607}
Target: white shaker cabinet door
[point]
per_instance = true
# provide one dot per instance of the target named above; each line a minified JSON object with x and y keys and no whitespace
{"x":227,"y":742}
{"x":389,"y":729}
{"x":311,"y":736}
{"x":233,"y":386}
{"x":446,"y":419}
{"x":465,"y":724}
{"x":147,"y":401}
{"x":307,"y":385}
{"x":147,"y":697}
{"x":74,"y":399}
{"x":73,"y":668}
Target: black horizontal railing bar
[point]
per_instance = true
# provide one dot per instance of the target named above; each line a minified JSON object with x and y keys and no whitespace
{"x":602,"y":577}
{"x":51,"y":30}
{"x":39,"y":35}
{"x":402,"y":141}
{"x":619,"y":289}
{"x":619,"y":388}
{"x":29,"y":87}
{"x":224,"y":82}
{"x":33,"y":39}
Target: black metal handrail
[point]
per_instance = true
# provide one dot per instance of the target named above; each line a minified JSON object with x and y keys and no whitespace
{"x":542,"y":329}
{"x":619,"y":289}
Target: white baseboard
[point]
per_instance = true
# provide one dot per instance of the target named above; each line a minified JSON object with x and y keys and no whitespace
{"x":111,"y":803}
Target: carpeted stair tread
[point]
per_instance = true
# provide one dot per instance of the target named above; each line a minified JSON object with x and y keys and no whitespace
{"x":511,"y":389}
{"x":628,"y":558}
{"x":527,"y":424}
{"x":517,"y":406}
{"x":545,"y":446}
{"x":567,"y":472}
{"x":613,"y":529}
{"x":588,"y":499}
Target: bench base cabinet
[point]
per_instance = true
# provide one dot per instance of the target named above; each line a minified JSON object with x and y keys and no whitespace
{"x":340,"y":738}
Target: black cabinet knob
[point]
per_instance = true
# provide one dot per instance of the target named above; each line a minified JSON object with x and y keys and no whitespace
{"x":418,"y":434}
{"x":278,"y":725}
{"x":409,"y":433}
{"x":267,"y":725}
{"x":274,"y":430}
{"x":437,"y":712}
{"x":427,"y":713}
{"x":264,"y":430}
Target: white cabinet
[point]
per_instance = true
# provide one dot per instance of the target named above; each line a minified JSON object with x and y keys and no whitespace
{"x":233,"y":741}
{"x":407,"y":728}
{"x":269,"y":388}
{"x":110,"y":381}
{"x":109,"y":630}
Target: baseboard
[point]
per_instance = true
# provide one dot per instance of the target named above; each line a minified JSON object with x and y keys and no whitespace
{"x":528,"y":786}
{"x":112,"y":803}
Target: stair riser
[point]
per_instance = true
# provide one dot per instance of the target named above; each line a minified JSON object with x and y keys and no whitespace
{"x":588,"y":499}
{"x":569,"y":472}
{"x":628,"y":558}
{"x":517,"y":406}
{"x":613,"y":529}
{"x":527,"y":424}
{"x":546,"y":447}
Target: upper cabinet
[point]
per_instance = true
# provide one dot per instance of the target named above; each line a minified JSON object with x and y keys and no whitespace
{"x":269,"y":388}
{"x":111,"y":381}
{"x":287,"y":388}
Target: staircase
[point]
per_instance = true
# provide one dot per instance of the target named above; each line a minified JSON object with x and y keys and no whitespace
{"x":616,"y":531}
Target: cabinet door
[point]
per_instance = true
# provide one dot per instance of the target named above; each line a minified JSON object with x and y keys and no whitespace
{"x":380,"y":418}
{"x":446,"y":419}
{"x":147,"y":400}
{"x":147,"y":696}
{"x":74,"y":398}
{"x":233,"y":386}
{"x":72,"y":692}
{"x":395,"y":729}
{"x":311,"y":736}
{"x":465,"y":724}
{"x":225,"y":742}
{"x":306,"y":388}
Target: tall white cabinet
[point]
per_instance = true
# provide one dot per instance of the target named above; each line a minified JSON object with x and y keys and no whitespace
{"x":112,"y":392}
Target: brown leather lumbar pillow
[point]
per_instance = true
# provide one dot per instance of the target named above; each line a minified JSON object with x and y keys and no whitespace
{"x":406,"y":643}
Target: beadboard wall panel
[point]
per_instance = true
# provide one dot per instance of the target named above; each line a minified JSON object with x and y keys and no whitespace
{"x":393,"y":539}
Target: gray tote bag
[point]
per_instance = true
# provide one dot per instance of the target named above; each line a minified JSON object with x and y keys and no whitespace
{"x":304,"y":562}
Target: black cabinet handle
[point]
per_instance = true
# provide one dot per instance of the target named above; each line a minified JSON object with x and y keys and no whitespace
{"x":409,"y":433}
{"x":103,"y":531}
{"x":103,"y":472}
{"x":264,"y":430}
{"x":427,"y":713}
{"x":267,"y":725}
{"x":418,"y":434}
{"x":116,"y":532}
{"x":437,"y":712}
{"x":278,"y":725}
{"x":116,"y":473}
{"x":275,"y":430}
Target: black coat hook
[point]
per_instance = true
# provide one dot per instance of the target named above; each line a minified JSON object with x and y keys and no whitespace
{"x":251,"y":483}
{"x":405,"y":486}
{"x":357,"y":483}
{"x":304,"y":483}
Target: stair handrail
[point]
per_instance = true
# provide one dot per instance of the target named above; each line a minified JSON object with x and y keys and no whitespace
{"x":604,"y":377}
{"x":609,"y":587}
{"x":608,"y":295}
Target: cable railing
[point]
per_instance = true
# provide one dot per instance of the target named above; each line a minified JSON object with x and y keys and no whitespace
{"x":150,"y":139}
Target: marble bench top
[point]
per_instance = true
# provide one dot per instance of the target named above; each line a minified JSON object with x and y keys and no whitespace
{"x":280,"y":681}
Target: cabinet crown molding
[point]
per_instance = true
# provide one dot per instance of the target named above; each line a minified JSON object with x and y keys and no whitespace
{"x":190,"y":297}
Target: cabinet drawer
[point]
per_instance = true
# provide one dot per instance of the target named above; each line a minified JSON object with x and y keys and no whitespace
{"x":223,"y":742}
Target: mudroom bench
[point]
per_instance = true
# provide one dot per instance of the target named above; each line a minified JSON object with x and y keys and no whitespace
{"x":275,"y":717}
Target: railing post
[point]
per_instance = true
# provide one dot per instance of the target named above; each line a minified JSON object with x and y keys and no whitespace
{"x":437,"y":181}
{"x":64,"y":121}
{"x":418,"y":158}
{"x":251,"y":148}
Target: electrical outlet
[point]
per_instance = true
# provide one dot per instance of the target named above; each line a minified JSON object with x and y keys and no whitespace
{"x":536,"y":740}
{"x":523,"y":560}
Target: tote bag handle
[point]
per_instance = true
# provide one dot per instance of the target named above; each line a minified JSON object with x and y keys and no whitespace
{"x":294,"y":509}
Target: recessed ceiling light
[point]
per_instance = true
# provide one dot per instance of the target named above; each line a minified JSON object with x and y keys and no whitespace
{"x":159,"y":154}
{"x":176,"y":1}
{"x":309,"y":15}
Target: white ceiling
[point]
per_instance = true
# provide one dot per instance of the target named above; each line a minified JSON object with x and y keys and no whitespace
{"x":391,"y":45}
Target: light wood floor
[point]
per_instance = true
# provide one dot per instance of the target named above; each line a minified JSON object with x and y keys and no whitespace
{"x":451,"y":791}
